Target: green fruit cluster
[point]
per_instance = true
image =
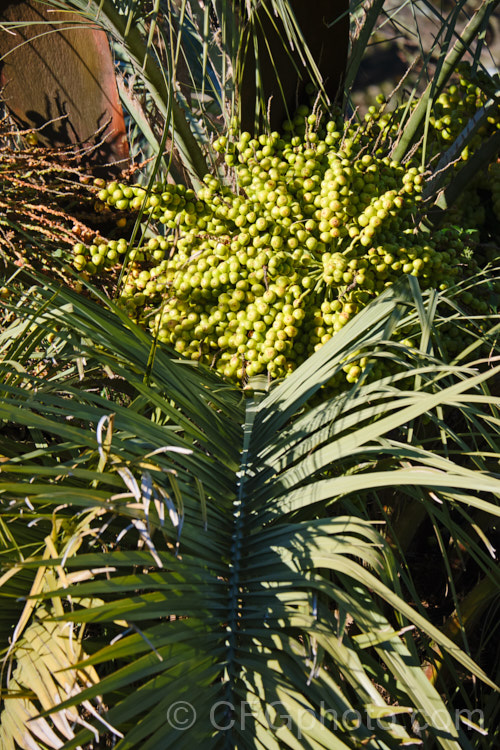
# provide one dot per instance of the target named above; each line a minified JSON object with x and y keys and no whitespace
{"x":98,"y":257}
{"x":254,"y":278}
{"x":453,"y":113}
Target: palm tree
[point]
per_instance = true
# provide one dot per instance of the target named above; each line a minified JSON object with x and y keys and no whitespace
{"x":286,"y":565}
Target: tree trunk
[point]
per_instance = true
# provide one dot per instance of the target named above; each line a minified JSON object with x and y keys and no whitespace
{"x":273,"y":76}
{"x":59,"y":66}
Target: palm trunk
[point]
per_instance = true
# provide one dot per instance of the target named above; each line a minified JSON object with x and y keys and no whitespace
{"x":58,"y":75}
{"x":273,"y":75}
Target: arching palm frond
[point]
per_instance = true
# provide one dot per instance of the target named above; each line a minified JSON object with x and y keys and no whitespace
{"x":235,"y":592}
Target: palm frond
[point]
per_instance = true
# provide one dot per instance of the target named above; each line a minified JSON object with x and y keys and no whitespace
{"x":269,"y":604}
